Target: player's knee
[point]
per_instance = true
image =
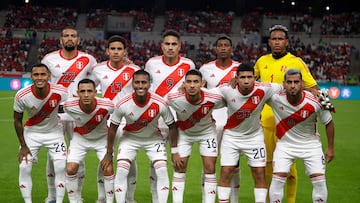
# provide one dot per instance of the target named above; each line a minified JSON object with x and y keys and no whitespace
{"x":72,"y":168}
{"x":25,"y":168}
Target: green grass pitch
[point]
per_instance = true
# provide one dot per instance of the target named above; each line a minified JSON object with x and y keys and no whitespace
{"x":343,"y":174}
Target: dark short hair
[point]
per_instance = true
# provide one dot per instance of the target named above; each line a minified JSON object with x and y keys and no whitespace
{"x":142,"y":72}
{"x":193,"y":72}
{"x":292,"y":71}
{"x":223,"y":37}
{"x":86,"y":81}
{"x":279,"y":27}
{"x":171,"y":32}
{"x":245,"y":67}
{"x":116,"y":38}
{"x":39,"y":65}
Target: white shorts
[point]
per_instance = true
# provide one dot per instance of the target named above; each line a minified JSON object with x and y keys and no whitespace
{"x":208,"y":145}
{"x":154,"y":147}
{"x":53,"y":141}
{"x":231,"y":149}
{"x":79,"y":146}
{"x":314,"y":159}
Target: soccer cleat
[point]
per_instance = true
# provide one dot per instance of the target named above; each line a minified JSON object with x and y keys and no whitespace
{"x":48,"y":200}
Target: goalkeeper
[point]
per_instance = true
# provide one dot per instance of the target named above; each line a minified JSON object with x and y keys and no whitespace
{"x":271,"y":68}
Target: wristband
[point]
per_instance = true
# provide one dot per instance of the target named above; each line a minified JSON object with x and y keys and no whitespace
{"x":174,"y":150}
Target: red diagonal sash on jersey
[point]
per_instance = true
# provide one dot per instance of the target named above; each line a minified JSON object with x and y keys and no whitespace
{"x":196,"y":116}
{"x":172,"y":79}
{"x":73,"y":71}
{"x":120,"y":81}
{"x":94,"y":121}
{"x":297,"y":117}
{"x":230,"y":75}
{"x":245,"y":110}
{"x":148,"y":115}
{"x":49,"y":106}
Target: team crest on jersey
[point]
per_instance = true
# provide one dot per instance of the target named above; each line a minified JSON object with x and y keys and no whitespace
{"x":79,"y":65}
{"x":233,"y":74}
{"x":181,"y":72}
{"x":304,"y":113}
{"x":255,"y":99}
{"x":205,"y":110}
{"x":99,"y":118}
{"x":126,"y":76}
{"x":152,"y":113}
{"x":53,"y":103}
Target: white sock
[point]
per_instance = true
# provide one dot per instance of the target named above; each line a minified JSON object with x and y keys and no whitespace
{"x":25,"y":181}
{"x":235,"y":186}
{"x":72,"y":187}
{"x":109,"y":188}
{"x":153,"y":184}
{"x":130,"y":195}
{"x":223,"y":194}
{"x":120,"y":184}
{"x":162,"y":179}
{"x":319,"y":193}
{"x":260,"y":195}
{"x":210,"y":187}
{"x":81,"y":177}
{"x":100,"y":183}
{"x":178,"y":186}
{"x":276,"y":191}
{"x":50,"y":177}
{"x":59,"y":169}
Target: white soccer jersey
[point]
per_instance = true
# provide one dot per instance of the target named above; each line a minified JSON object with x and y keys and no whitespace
{"x":42,"y":112}
{"x":296,"y":125}
{"x":165,"y":78}
{"x":90,"y":125}
{"x":68,"y":72}
{"x":195,"y":119}
{"x":142,"y":120}
{"x":114,"y":83}
{"x":215,"y":76}
{"x":244,"y":110}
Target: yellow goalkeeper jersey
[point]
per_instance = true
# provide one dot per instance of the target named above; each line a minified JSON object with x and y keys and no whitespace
{"x":269,"y":69}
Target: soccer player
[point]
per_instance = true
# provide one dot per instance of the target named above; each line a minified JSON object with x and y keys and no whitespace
{"x":242,"y":131}
{"x":68,"y":66}
{"x":114,"y":77}
{"x":141,"y":110}
{"x":41,"y":101}
{"x":90,"y":133}
{"x":271,"y":68}
{"x":296,"y":114}
{"x":193,"y":109}
{"x":167,"y":73}
{"x":215,"y":73}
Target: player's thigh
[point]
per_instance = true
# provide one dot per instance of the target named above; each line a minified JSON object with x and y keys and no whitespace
{"x":208,"y":145}
{"x":185,"y":144}
{"x":156,"y":150}
{"x":314,"y":162}
{"x":100,"y":147}
{"x":256,"y":153}
{"x":229,"y":151}
{"x":34,"y":142}
{"x":282,"y":160}
{"x":78,"y":149}
{"x":128,"y":148}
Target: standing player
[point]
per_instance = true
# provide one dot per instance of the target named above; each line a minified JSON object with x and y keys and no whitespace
{"x":141,"y":110}
{"x":242,"y":134}
{"x":167,"y":73}
{"x":215,"y":73}
{"x":114,"y":77}
{"x":41,"y":101}
{"x":296,"y":115}
{"x":68,"y":66}
{"x":271,"y":68}
{"x":194,"y":121}
{"x":90,"y":133}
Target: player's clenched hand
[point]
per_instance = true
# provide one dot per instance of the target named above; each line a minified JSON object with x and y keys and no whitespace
{"x":107,"y":161}
{"x":329,"y":155}
{"x":24,"y":154}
